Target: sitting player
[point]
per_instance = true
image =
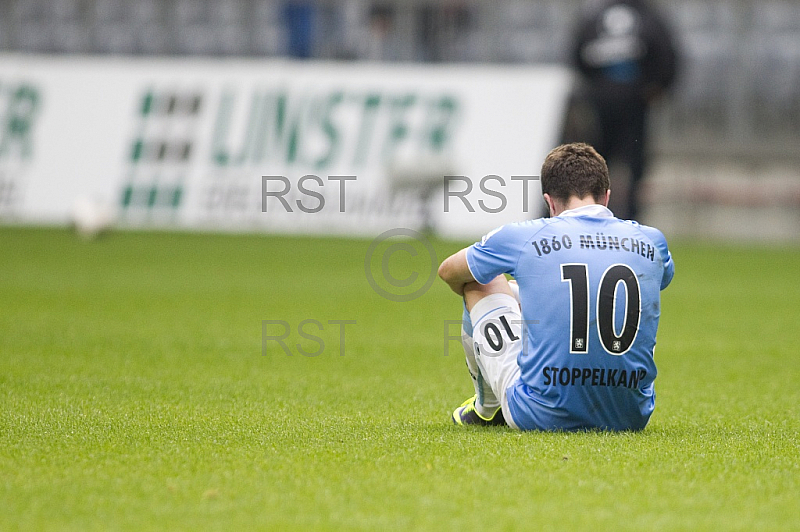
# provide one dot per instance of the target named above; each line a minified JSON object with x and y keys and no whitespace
{"x":569,"y":344}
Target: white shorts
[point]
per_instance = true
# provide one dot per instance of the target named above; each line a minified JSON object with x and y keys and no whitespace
{"x":497,"y":333}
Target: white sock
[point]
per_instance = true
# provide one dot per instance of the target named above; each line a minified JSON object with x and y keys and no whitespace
{"x":486,"y":403}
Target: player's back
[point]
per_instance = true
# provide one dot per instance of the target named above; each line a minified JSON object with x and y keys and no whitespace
{"x":590,"y":291}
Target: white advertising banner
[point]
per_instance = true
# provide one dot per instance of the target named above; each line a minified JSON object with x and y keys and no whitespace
{"x":275,"y":145}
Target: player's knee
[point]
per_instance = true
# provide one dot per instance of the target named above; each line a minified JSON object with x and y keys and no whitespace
{"x":474,"y":291}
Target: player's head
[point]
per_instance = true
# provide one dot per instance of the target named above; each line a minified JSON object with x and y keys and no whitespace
{"x":575,"y":170}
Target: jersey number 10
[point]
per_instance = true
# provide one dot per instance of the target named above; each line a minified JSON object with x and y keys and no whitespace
{"x":577,"y":275}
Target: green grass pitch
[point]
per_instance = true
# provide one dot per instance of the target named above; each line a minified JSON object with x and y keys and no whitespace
{"x":134,"y":395}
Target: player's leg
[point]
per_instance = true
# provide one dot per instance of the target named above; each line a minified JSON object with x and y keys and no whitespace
{"x":484,"y":402}
{"x":496,"y":340}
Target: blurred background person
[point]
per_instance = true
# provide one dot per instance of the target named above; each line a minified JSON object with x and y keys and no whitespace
{"x":626,"y":57}
{"x":382,"y":42}
{"x":299,"y":20}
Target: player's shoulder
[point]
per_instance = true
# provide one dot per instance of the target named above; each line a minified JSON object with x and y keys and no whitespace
{"x":656,"y":237}
{"x":516,"y":231}
{"x":650,"y":232}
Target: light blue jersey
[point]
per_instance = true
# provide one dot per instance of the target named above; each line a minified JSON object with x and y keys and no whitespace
{"x":590,"y":296}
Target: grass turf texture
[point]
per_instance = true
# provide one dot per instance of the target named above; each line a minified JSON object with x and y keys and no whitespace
{"x":134,"y":395}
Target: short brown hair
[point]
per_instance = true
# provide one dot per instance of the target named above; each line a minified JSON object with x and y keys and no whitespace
{"x":575,"y":170}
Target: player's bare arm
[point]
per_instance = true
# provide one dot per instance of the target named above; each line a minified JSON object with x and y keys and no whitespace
{"x":455,"y":272}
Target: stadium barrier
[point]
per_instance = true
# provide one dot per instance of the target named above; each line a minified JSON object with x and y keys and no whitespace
{"x":274,"y":145}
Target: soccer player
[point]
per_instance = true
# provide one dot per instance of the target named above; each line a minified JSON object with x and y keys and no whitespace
{"x":567,"y":345}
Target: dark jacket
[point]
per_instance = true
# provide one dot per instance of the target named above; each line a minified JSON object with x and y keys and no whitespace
{"x":624,"y":51}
